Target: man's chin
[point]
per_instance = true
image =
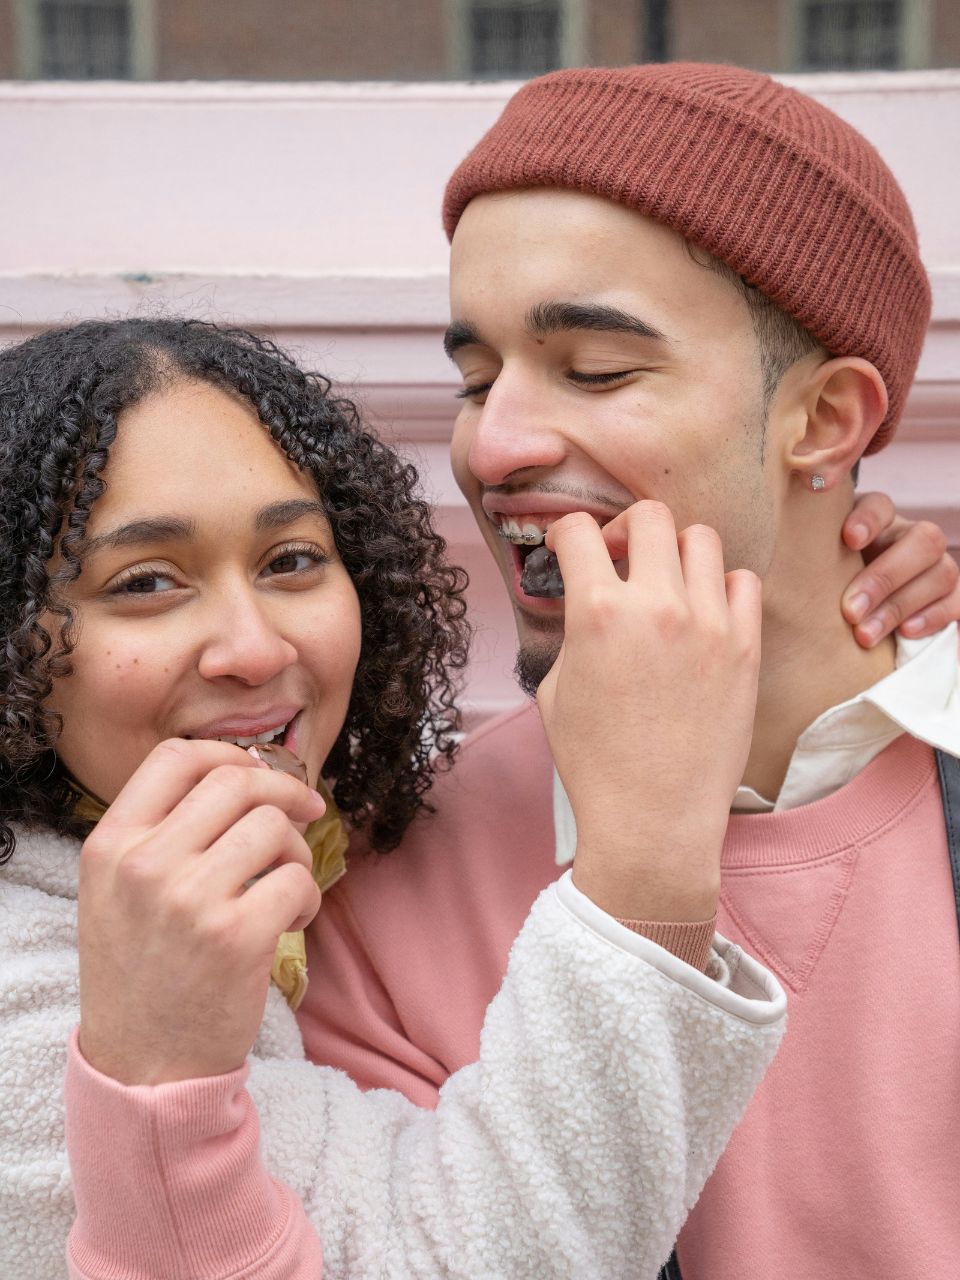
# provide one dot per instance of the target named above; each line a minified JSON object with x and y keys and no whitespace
{"x":533,"y":663}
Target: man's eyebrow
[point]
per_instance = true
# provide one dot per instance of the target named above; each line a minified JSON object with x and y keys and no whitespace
{"x":557,"y":317}
{"x":154,"y":529}
{"x":279,"y":514}
{"x":459,"y":334}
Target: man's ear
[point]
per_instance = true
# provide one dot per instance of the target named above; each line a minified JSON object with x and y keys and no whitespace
{"x":844,"y":401}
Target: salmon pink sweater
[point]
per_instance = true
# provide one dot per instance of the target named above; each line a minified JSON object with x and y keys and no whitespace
{"x":848,"y":1160}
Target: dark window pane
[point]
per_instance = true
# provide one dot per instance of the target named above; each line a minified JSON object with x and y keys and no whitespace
{"x":513,"y":40}
{"x":84,"y":41}
{"x":852,"y":36}
{"x":656,"y":37}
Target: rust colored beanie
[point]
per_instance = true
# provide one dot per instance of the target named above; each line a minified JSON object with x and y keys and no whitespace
{"x":764,"y":178}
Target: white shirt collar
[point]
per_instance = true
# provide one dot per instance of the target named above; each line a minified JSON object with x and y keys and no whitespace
{"x":920,"y":697}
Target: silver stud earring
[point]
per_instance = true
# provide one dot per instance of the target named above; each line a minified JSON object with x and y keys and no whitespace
{"x":817,"y":483}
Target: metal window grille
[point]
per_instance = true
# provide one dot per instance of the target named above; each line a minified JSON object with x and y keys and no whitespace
{"x":84,"y":39}
{"x":513,"y":40}
{"x":852,"y":35}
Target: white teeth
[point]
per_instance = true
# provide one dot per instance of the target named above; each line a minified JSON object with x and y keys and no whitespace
{"x":528,"y":534}
{"x":268,"y":736}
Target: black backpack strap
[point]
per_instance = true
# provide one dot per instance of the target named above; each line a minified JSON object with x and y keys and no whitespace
{"x":948,"y":768}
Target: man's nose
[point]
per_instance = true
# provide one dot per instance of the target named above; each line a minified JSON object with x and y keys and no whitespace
{"x":515,"y":431}
{"x":244,"y":642}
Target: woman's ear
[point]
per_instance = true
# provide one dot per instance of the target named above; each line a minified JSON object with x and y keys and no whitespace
{"x":844,"y":402}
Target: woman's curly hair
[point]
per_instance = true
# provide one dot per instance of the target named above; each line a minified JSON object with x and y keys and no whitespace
{"x":60,"y":396}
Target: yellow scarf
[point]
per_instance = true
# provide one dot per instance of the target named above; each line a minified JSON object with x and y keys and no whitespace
{"x":328,"y":843}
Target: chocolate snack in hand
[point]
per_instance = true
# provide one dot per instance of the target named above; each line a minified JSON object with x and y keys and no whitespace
{"x":279,"y":759}
{"x":541,"y":574}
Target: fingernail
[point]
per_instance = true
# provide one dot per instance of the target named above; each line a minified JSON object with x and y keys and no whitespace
{"x":860,"y":533}
{"x":858,"y":606}
{"x":914,"y":625}
{"x":872,"y":629}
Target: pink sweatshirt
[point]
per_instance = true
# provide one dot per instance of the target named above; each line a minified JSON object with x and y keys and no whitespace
{"x":176,"y":1147}
{"x":848,"y":1160}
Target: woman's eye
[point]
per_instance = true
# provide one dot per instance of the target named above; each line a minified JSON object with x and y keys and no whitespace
{"x":289,"y":562}
{"x":145,"y":584}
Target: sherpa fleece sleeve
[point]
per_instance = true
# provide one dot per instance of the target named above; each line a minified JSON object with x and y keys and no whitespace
{"x":609,"y":1079}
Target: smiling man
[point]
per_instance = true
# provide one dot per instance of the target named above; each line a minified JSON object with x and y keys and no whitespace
{"x":690,"y":284}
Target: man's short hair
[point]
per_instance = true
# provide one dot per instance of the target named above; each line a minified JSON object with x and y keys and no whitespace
{"x":781,"y":339}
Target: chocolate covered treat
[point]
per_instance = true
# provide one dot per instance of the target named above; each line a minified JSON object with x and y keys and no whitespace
{"x":541,"y":574}
{"x":280,"y":759}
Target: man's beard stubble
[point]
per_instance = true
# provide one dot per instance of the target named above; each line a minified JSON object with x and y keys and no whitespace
{"x":534,"y":661}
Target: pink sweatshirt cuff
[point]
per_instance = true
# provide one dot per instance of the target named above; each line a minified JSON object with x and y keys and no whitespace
{"x":168,"y":1183}
{"x":689,"y":941}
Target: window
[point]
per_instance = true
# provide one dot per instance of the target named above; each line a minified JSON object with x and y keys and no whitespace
{"x":656,"y":36}
{"x":84,"y":39}
{"x":514,"y":40}
{"x":852,"y":35}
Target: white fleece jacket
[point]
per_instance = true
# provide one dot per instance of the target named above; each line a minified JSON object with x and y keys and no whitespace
{"x":610,"y":1077}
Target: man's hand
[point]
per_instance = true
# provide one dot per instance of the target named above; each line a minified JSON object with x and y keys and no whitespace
{"x":175,"y":950}
{"x":649,"y":707}
{"x":910,"y":582}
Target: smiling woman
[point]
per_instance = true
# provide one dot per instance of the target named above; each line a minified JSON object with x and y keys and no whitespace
{"x":163,"y":564}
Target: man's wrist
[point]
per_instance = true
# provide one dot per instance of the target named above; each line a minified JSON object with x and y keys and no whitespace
{"x":684,"y":890}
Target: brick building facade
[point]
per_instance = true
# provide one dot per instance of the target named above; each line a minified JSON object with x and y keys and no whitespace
{"x":459,"y":39}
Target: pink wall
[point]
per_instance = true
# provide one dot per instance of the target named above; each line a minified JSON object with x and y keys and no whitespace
{"x":312,"y":210}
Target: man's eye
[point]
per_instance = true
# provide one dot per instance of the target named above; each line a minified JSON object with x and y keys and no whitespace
{"x":477,"y":389}
{"x":599,"y":379}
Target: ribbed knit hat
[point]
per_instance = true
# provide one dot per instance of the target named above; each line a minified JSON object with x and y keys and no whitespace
{"x":764,"y":178}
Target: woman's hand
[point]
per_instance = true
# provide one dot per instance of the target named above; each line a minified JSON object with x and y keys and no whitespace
{"x":910,"y":581}
{"x":649,"y":707}
{"x":175,"y":951}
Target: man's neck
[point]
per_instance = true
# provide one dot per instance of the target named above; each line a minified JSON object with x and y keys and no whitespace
{"x":811,"y":661}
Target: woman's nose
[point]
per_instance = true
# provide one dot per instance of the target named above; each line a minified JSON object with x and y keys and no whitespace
{"x":245,"y":644}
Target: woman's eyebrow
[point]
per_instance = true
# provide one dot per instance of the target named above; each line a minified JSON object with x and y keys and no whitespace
{"x":278,"y":514}
{"x":173,"y":528}
{"x":559,"y":317}
{"x":154,"y":529}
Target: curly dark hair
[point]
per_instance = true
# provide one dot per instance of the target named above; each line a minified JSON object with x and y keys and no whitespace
{"x":60,"y":395}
